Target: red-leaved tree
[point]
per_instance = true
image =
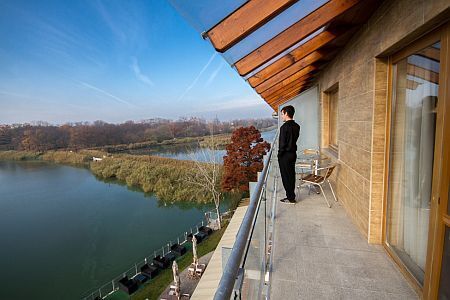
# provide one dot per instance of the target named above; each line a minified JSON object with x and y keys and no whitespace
{"x":244,"y":159}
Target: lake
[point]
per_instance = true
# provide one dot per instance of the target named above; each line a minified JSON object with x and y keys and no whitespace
{"x":190,"y":151}
{"x":64,"y":232}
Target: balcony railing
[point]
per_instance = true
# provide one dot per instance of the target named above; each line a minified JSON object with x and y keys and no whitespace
{"x":247,"y":271}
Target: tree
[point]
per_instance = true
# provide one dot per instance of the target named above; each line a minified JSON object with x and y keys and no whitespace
{"x":244,"y":159}
{"x":208,"y":174}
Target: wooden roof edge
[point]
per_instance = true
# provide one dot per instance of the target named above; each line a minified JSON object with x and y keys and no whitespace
{"x":293,"y":34}
{"x":242,"y":26}
{"x":300,"y":52}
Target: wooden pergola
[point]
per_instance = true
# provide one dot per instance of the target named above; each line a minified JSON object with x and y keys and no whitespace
{"x":287,"y":64}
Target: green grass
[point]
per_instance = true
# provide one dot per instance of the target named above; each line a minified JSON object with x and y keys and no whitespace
{"x":156,"y":286}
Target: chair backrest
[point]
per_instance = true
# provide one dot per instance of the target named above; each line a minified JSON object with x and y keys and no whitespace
{"x":329,"y":171}
{"x":310,"y":151}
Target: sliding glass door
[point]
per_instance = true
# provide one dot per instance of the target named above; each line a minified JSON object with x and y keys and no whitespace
{"x":415,"y":90}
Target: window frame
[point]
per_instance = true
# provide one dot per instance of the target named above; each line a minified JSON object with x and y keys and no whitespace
{"x":332,"y":94}
{"x":430,"y":287}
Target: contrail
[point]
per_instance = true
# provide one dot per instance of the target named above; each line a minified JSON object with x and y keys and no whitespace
{"x":106,"y":93}
{"x":214,"y":74}
{"x":198,"y":76}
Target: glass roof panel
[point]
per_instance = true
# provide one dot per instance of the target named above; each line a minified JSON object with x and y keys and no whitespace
{"x":204,"y":14}
{"x":272,"y":28}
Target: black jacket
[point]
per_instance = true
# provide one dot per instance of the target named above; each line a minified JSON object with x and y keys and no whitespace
{"x":289,"y":133}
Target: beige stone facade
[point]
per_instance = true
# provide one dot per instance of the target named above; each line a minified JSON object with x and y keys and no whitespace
{"x":361,"y":71}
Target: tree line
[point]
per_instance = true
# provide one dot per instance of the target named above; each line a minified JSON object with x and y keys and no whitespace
{"x":43,"y":137}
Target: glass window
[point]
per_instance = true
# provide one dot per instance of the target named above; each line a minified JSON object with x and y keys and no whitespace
{"x":413,"y":122}
{"x":330,"y":114}
{"x":333,"y":119}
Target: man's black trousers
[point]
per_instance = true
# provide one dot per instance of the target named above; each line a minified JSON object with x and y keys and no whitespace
{"x":286,"y":161}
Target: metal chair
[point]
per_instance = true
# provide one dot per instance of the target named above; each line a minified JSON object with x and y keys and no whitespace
{"x":316,"y":179}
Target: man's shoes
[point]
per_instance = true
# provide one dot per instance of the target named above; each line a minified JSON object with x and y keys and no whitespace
{"x":286,"y":200}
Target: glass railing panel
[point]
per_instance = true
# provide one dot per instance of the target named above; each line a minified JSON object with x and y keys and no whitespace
{"x":254,"y":266}
{"x":257,"y":260}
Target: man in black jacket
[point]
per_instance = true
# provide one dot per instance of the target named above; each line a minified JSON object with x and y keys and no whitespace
{"x":287,"y":152}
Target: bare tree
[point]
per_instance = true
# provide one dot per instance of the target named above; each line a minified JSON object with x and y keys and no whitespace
{"x":208,"y":174}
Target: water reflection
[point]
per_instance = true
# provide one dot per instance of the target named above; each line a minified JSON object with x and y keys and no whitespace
{"x":64,"y":226}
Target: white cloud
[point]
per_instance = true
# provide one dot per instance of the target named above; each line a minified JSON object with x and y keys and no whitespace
{"x":138,"y":73}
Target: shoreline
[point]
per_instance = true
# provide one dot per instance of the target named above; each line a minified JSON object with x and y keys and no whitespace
{"x":164,"y":177}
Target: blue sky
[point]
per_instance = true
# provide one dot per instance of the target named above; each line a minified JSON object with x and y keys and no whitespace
{"x":114,"y":61}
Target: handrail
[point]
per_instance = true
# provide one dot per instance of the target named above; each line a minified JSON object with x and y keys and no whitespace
{"x":227,"y":282}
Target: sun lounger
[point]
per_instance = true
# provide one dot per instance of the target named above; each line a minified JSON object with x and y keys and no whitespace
{"x":129,"y":286}
{"x":171,"y":256}
{"x":150,"y":270}
{"x":140,"y":278}
{"x":200,"y":236}
{"x":178,"y":249}
{"x":161,"y":262}
{"x":205,"y":229}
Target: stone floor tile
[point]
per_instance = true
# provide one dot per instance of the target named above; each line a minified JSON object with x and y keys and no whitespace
{"x":316,"y":291}
{"x":355,"y":278}
{"x":289,"y":250}
{"x":408,"y":296}
{"x":282,"y":289}
{"x":318,"y":255}
{"x":352,"y":294}
{"x":284,"y":269}
{"x":319,"y":273}
{"x":351,"y":258}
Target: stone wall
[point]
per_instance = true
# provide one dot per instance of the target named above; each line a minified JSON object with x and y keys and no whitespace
{"x":361,"y":70}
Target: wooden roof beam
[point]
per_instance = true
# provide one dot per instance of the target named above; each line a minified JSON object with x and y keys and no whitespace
{"x":243,"y":21}
{"x":301,"y":64}
{"x":295,"y":55}
{"x":288,"y":93}
{"x":293,"y":34}
{"x":284,"y":92}
{"x":430,"y":53}
{"x":288,"y":97}
{"x":298,"y":82}
{"x":266,"y":85}
{"x":278,"y":87}
{"x":423,"y":73}
{"x":412,"y":84}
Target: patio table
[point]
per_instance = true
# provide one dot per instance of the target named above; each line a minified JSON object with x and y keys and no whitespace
{"x":310,"y":162}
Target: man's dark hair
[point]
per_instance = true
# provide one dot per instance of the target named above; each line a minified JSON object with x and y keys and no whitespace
{"x":289,"y":110}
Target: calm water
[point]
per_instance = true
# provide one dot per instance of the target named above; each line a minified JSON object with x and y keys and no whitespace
{"x":191,"y":151}
{"x":64,"y":232}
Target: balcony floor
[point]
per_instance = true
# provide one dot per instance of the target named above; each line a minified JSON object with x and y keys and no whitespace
{"x":320,"y":254}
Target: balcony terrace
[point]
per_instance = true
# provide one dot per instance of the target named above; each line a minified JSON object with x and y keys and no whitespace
{"x":369,"y":83}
